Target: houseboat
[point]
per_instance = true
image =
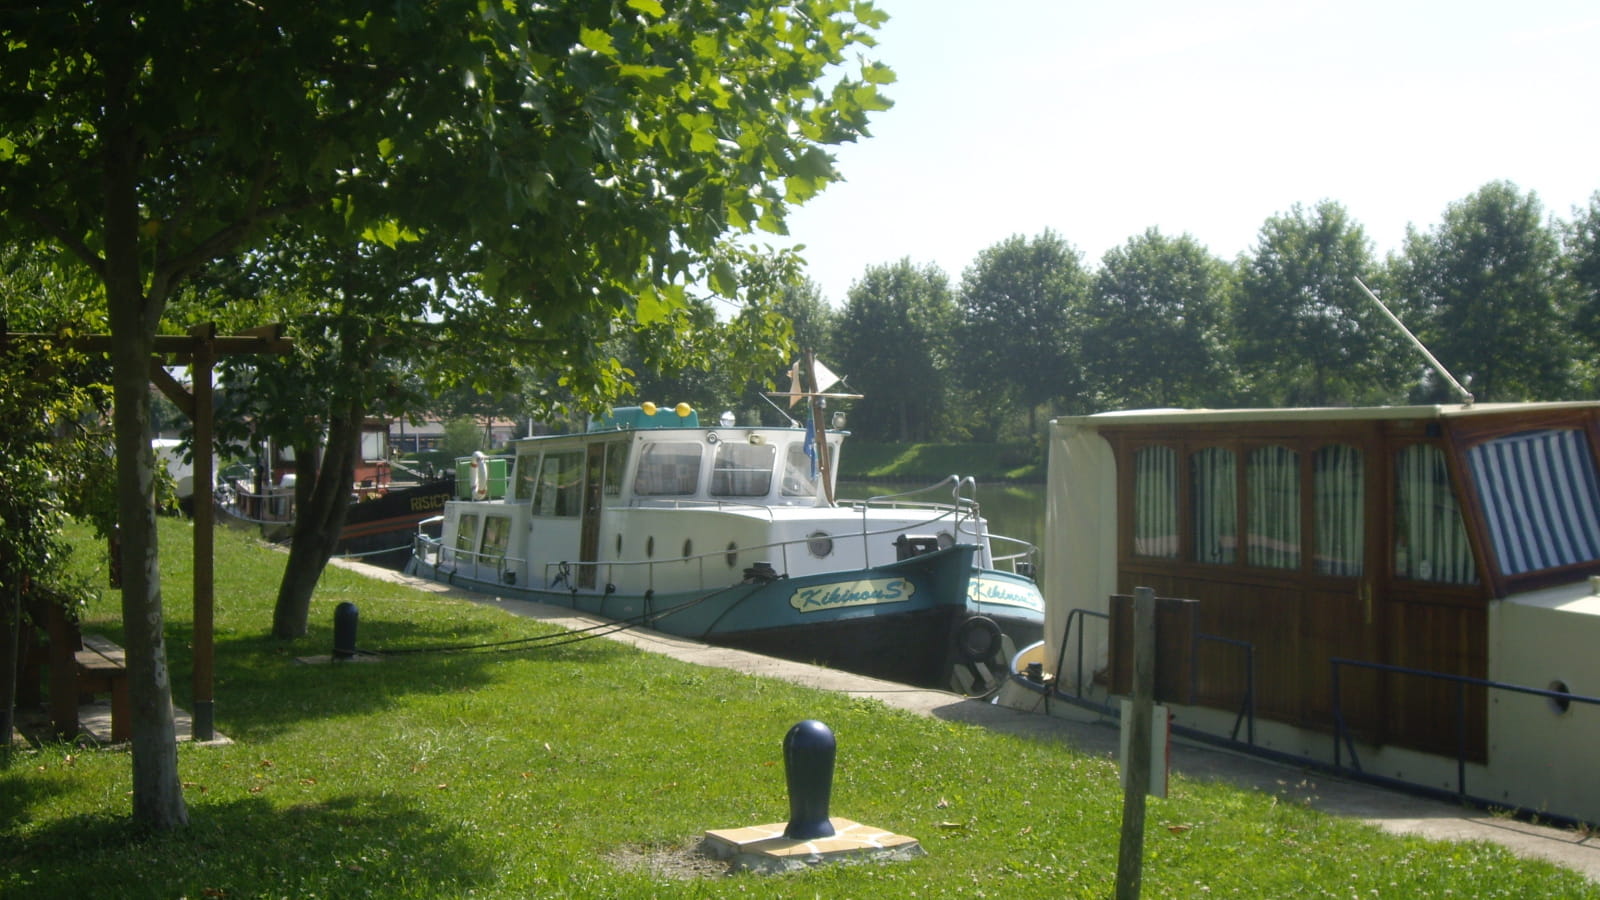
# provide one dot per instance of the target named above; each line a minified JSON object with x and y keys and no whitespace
{"x":1404,"y":594}
{"x":730,"y":534}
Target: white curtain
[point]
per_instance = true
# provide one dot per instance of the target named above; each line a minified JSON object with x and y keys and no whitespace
{"x":1273,"y":477}
{"x":1339,"y":472}
{"x":1155,"y":503}
{"x":1430,"y":537}
{"x":1215,"y":507}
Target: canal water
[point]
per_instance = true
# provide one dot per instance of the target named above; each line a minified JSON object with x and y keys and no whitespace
{"x":1013,"y":510}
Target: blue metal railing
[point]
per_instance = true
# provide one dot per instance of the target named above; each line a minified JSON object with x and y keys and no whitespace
{"x":1342,"y":739}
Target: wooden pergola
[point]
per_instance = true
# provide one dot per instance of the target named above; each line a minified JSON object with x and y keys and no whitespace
{"x":199,"y":350}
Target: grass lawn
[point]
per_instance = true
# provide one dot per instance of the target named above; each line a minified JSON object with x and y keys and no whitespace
{"x":582,"y":770}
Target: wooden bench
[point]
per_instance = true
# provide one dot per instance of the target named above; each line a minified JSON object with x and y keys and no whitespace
{"x":102,"y":668}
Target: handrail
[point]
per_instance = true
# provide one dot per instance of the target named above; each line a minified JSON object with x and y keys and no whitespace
{"x":1462,"y":682}
{"x":1247,"y":705}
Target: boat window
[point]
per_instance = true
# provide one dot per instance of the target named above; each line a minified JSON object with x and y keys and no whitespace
{"x":560,"y":487}
{"x":1541,"y":503}
{"x":742,"y":470}
{"x":668,"y":468}
{"x":527,"y":470}
{"x":1155,"y":503}
{"x":496,"y":537}
{"x":616,"y":462}
{"x":1214,"y":493}
{"x":1272,"y":477}
{"x":1430,"y":536}
{"x":466,"y":532}
{"x":1339,"y":481}
{"x":800,"y":470}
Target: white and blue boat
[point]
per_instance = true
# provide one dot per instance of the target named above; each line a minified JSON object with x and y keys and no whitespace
{"x":729,"y":534}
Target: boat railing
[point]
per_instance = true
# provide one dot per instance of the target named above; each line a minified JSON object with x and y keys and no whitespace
{"x":272,"y":507}
{"x":966,"y":520}
{"x":1560,"y":700}
{"x":431,"y":551}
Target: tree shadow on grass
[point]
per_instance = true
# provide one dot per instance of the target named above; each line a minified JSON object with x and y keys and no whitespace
{"x":264,"y":686}
{"x":346,"y":846}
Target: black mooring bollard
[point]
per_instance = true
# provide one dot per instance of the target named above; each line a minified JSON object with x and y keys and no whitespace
{"x":345,"y":619}
{"x":808,"y":751}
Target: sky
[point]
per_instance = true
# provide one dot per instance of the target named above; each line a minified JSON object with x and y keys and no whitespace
{"x":1100,"y":120}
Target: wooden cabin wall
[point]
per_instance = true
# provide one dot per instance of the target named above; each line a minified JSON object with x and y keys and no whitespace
{"x":1297,"y":620}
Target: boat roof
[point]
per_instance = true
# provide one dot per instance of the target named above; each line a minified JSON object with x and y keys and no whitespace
{"x":1314,"y":414}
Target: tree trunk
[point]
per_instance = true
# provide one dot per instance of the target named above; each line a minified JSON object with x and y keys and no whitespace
{"x":134,"y":312}
{"x":322,"y":495}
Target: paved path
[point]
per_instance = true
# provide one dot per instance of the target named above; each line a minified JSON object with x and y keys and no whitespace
{"x":1390,"y":810}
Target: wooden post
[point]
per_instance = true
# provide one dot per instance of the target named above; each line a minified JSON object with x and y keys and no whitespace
{"x":203,"y":719}
{"x":819,"y":428}
{"x":1130,"y":857}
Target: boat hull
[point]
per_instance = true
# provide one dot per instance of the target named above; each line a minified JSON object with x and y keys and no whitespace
{"x":903,"y":621}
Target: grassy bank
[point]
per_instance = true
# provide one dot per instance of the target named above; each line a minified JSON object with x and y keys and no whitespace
{"x":927,"y":463}
{"x":578,"y":770}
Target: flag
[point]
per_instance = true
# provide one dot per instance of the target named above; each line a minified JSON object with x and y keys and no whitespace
{"x":810,"y":445}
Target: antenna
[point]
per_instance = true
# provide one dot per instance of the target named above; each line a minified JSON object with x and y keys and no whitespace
{"x":1466,"y":396}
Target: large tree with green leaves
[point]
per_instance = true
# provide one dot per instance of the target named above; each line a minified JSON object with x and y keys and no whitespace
{"x":1021,"y":301}
{"x":579,"y":160}
{"x":894,"y":340}
{"x":1481,"y":290}
{"x":1307,"y":335}
{"x":1157,"y":330}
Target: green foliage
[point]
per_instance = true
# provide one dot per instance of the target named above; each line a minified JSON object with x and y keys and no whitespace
{"x":895,"y":342}
{"x":928,"y":463}
{"x":53,"y":455}
{"x":462,"y":436}
{"x":1481,"y":291}
{"x":1021,"y":310}
{"x":1158,"y":331}
{"x":1581,"y":271}
{"x":1307,"y":335}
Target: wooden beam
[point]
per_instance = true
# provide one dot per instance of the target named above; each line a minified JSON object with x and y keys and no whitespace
{"x":172,"y":388}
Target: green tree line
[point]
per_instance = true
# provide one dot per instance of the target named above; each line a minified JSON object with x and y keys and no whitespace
{"x":1506,"y":297}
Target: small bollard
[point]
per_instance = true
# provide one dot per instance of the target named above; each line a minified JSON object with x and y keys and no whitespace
{"x":345,"y":619}
{"x":808,"y":751}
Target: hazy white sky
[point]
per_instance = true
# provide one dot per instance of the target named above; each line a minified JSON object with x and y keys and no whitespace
{"x":1102,"y":119}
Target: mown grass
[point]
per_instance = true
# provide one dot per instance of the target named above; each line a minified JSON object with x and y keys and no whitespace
{"x":563,"y":772}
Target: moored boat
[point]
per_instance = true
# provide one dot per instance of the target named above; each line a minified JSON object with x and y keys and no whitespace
{"x":1402,"y":594}
{"x":729,"y":534}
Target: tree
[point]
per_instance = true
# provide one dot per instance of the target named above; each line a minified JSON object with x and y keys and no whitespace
{"x":1307,"y":335}
{"x":1019,"y":303}
{"x":1157,"y":332}
{"x":576,"y":160}
{"x":894,"y":343}
{"x":52,"y":450}
{"x":1581,"y":269}
{"x":810,"y":316}
{"x":1481,"y":291}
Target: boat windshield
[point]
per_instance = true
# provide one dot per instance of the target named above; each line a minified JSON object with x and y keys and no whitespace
{"x":799,"y":472}
{"x":1541,"y":498}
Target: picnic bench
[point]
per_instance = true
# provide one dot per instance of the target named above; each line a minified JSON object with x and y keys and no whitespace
{"x":80,"y":667}
{"x":102,"y":668}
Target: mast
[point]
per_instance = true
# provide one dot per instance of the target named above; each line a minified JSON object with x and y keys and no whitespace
{"x":819,"y":429}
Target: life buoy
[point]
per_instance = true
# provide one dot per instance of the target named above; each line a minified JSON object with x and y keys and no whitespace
{"x":480,"y":475}
{"x":977,"y":639}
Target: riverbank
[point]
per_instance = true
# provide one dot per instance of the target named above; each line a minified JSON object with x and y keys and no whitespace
{"x":926,"y":463}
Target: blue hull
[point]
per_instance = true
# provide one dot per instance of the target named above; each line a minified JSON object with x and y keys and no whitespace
{"x":905,"y":621}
